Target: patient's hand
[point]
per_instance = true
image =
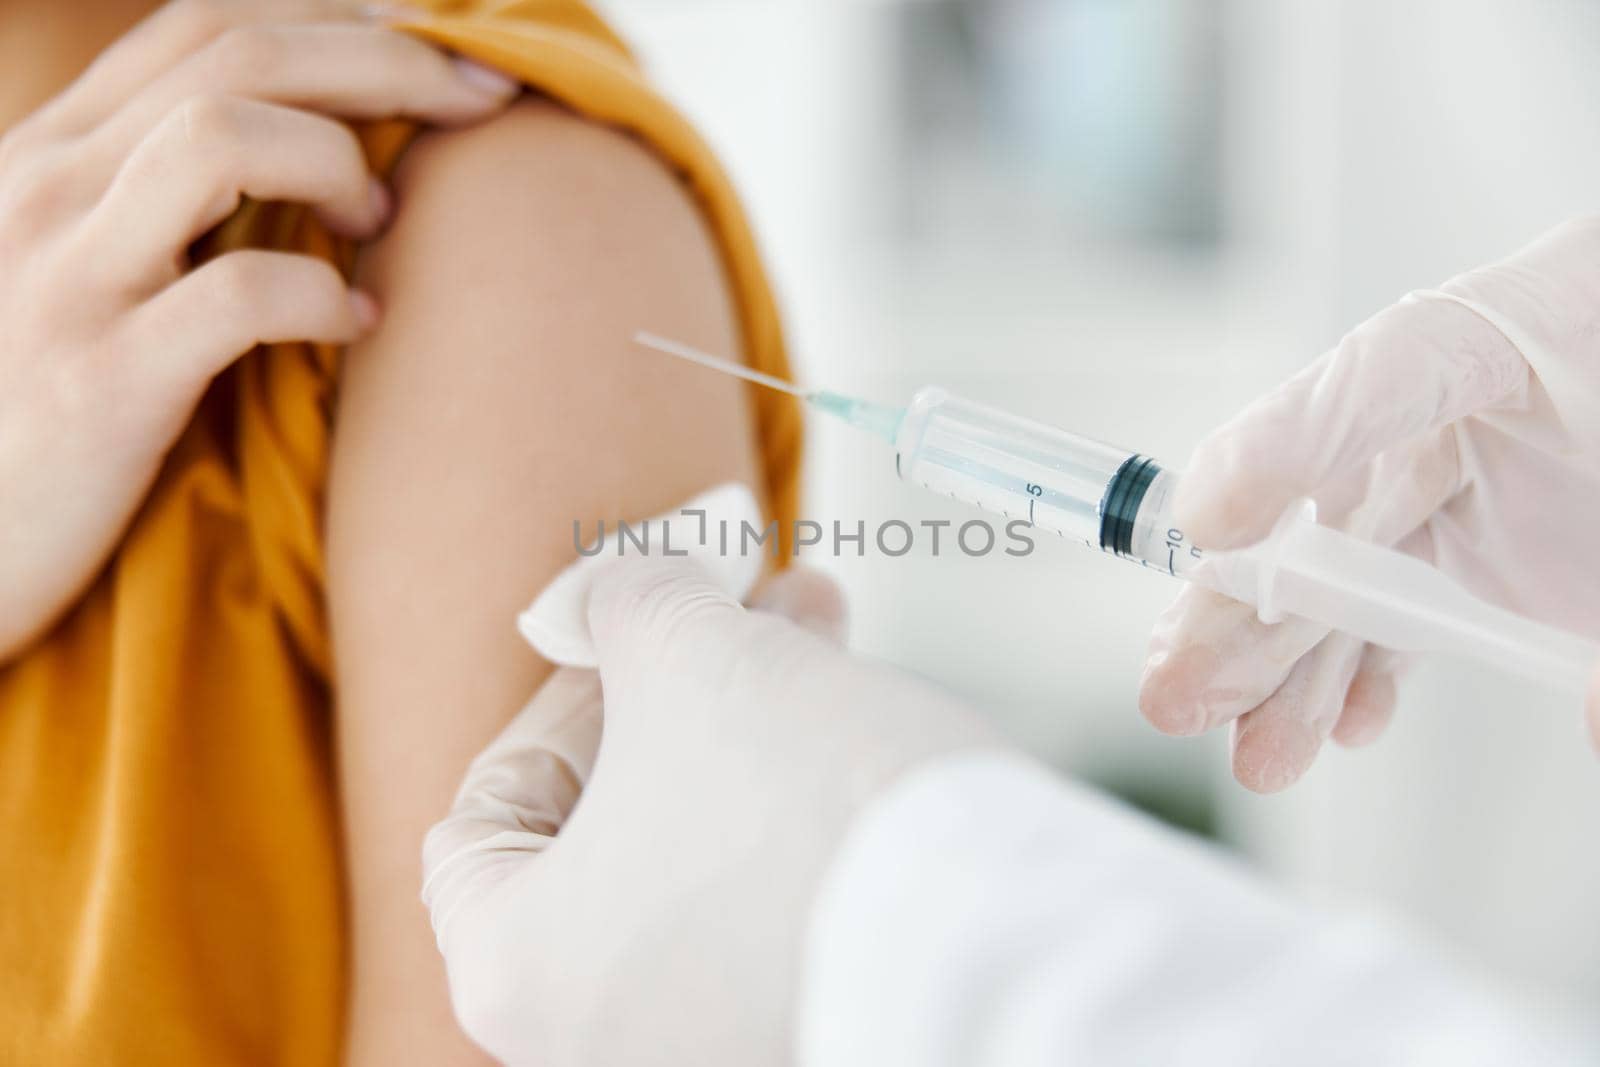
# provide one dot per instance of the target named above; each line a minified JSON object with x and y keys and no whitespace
{"x":107,"y":338}
{"x":501,"y":399}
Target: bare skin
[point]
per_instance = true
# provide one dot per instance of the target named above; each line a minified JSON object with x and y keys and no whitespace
{"x":501,"y":400}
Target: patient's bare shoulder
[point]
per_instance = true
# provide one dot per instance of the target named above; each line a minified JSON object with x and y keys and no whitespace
{"x":500,"y":400}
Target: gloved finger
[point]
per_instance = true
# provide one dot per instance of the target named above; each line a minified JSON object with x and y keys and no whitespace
{"x":1211,"y":660}
{"x":1414,"y":367}
{"x":1591,"y":707}
{"x":516,"y":794}
{"x":1276,"y":742}
{"x":807,"y":597}
{"x":1370,"y":702}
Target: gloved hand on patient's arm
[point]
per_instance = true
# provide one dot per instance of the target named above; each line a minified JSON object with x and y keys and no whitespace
{"x":664,"y":925}
{"x":785,"y":855}
{"x":1461,"y":425}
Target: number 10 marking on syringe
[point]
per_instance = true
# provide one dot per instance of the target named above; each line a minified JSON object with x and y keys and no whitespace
{"x":1175,"y":542}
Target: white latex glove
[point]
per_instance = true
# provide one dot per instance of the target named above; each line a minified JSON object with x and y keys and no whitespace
{"x":1461,"y":425}
{"x":664,"y":925}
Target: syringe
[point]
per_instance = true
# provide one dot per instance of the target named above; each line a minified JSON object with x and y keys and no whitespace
{"x":1121,"y":502}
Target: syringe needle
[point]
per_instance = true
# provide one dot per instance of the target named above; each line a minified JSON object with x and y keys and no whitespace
{"x":738,"y":370}
{"x":874,"y":418}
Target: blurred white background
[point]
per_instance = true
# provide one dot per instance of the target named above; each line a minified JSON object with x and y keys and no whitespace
{"x":1128,"y":217}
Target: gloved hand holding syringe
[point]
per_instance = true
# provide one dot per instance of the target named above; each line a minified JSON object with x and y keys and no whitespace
{"x":1121,"y":502}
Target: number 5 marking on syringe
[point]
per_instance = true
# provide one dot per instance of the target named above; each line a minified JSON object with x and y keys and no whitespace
{"x":1034,"y":493}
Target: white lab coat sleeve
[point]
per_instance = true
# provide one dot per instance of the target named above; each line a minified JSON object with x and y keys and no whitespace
{"x":985,"y":913}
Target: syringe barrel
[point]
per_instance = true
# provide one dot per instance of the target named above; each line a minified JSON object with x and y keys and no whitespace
{"x":1059,"y":482}
{"x":1121,"y":502}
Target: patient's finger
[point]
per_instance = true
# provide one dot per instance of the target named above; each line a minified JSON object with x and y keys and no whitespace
{"x":174,"y":31}
{"x":343,"y":69}
{"x":192,"y":170}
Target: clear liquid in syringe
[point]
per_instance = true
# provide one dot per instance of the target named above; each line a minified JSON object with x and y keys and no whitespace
{"x":1076,"y":487}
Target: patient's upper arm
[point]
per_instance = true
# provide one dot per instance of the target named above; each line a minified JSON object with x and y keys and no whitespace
{"x":500,"y":400}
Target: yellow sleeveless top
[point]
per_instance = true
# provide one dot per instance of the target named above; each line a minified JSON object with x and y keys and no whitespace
{"x":170,"y":873}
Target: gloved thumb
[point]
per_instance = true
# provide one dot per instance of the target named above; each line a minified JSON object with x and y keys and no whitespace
{"x":514,"y":798}
{"x":642,"y":609}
